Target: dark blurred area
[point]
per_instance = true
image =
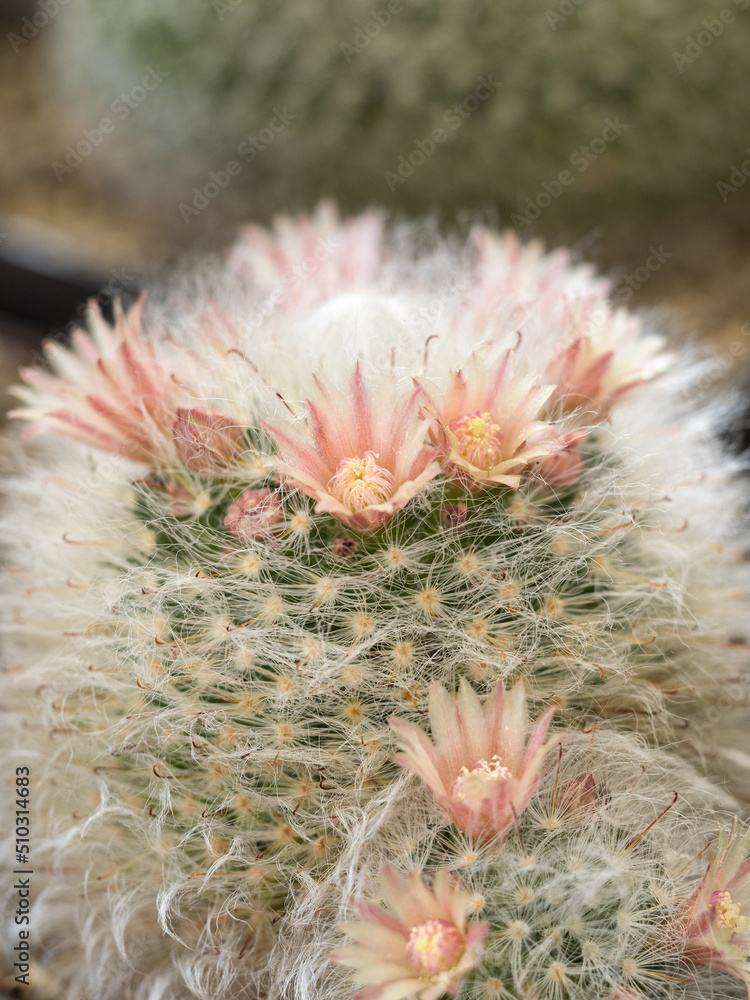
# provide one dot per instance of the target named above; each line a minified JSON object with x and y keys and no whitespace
{"x":622,"y":130}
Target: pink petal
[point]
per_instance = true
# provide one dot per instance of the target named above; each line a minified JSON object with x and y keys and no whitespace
{"x":515,"y":727}
{"x":537,"y":739}
{"x":361,"y":407}
{"x":499,"y":379}
{"x":443,"y":714}
{"x":300,"y":456}
{"x":420,"y":756}
{"x":472,"y":730}
{"x":397,"y":990}
{"x":493,"y":716}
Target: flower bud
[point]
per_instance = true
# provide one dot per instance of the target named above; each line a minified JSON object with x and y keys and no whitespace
{"x":254,"y":515}
{"x":562,"y":468}
{"x":207,"y":439}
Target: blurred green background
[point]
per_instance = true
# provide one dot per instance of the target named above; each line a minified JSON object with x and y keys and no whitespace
{"x":134,"y":130}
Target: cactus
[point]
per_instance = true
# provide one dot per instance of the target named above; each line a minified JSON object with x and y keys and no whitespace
{"x":375,"y":628}
{"x":286,"y":93}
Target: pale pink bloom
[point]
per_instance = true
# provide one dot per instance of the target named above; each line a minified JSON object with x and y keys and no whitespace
{"x":508,"y":273}
{"x":367,"y":458}
{"x":421,"y":946}
{"x":485,"y":426}
{"x":254,"y":515}
{"x":481,"y":766}
{"x":207,"y":439}
{"x":602,"y":355}
{"x":107,"y":390}
{"x":312,"y":257}
{"x":715,"y":920}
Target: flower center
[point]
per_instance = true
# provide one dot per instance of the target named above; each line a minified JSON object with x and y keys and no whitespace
{"x":434,"y":946}
{"x":478,"y":784}
{"x":728,"y":913}
{"x":480,"y":440}
{"x":361,"y":482}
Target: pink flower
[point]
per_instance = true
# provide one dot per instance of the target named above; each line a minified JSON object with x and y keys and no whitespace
{"x":478,"y":765}
{"x":603,"y":355}
{"x":421,"y":946}
{"x":507,"y":273}
{"x":716,"y":918}
{"x":484,"y":426}
{"x":109,"y":391}
{"x":207,"y":439}
{"x":368,"y":456}
{"x":254,"y":515}
{"x":313,"y":257}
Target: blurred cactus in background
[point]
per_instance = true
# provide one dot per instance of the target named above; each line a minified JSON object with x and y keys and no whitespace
{"x":558,"y":108}
{"x":380,"y":597}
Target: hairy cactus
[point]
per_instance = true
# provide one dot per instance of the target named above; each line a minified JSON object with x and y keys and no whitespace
{"x":377,"y":566}
{"x":287,"y":92}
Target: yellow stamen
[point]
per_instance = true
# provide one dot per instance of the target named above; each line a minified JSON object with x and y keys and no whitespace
{"x":434,"y":946}
{"x":360,"y":482}
{"x":476,"y":784}
{"x":479,"y":440}
{"x":728,"y":913}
